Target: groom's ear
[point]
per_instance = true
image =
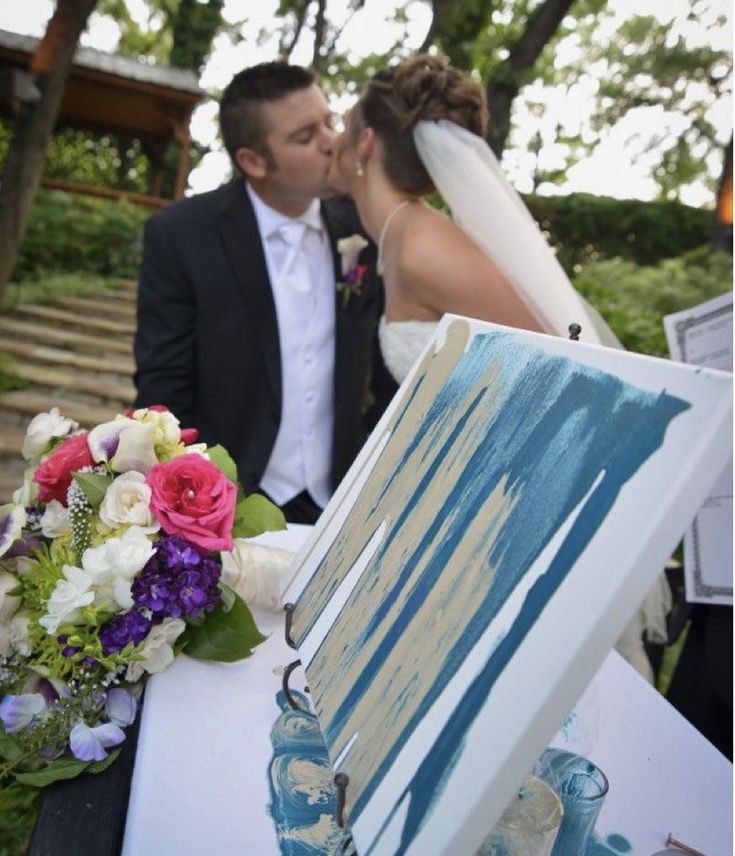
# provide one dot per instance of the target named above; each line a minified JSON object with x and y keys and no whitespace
{"x":366,"y":143}
{"x":251,"y":162}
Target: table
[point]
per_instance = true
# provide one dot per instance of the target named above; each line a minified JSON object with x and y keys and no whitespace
{"x":200,"y":778}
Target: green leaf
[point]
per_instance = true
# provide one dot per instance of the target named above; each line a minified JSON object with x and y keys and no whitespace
{"x":9,"y":749}
{"x":227,"y":596}
{"x":254,"y":515}
{"x":55,"y":771}
{"x":94,"y":486}
{"x":220,"y":457}
{"x":224,"y":636}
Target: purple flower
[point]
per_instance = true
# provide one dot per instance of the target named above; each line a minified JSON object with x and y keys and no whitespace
{"x":131,"y":626}
{"x":176,"y":553}
{"x":19,"y":711}
{"x":177,"y":582}
{"x":120,"y":706}
{"x":89,"y":744}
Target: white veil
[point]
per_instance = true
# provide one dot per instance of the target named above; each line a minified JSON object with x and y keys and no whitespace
{"x":485,"y":206}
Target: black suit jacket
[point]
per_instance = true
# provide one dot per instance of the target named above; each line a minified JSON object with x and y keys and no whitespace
{"x":207,"y":340}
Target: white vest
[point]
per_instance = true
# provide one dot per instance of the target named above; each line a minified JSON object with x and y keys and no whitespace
{"x":301,"y":270}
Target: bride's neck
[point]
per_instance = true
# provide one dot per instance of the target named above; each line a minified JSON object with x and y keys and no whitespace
{"x":376,"y":200}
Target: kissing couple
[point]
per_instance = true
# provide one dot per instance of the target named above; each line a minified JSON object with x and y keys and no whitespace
{"x":259,"y":301}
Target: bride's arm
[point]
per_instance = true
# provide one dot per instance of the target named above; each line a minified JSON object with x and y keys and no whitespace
{"x":442,"y":270}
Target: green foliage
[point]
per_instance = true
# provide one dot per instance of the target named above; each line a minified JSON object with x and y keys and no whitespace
{"x":77,"y":233}
{"x":225,"y":635}
{"x":175,"y":32}
{"x":633,"y":300}
{"x":18,"y":806}
{"x":584,"y":228}
{"x":9,"y":380}
{"x":55,"y":285}
{"x":254,"y":515}
{"x":650,"y":64}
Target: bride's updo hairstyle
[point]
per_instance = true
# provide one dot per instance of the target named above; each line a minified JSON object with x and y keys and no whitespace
{"x":423,"y":87}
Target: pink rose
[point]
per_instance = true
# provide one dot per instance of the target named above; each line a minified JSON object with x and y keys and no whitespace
{"x":54,"y":475}
{"x":195,"y":500}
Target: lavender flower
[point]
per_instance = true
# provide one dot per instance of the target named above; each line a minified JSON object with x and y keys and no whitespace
{"x":19,"y":711}
{"x":177,"y":582}
{"x":89,"y":744}
{"x":131,"y":626}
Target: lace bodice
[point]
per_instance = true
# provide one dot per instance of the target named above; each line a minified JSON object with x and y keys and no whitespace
{"x":401,"y":342}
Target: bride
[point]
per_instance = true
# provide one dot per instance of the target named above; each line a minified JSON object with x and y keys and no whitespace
{"x":416,"y":128}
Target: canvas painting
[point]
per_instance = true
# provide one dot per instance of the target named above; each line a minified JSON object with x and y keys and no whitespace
{"x":501,"y":525}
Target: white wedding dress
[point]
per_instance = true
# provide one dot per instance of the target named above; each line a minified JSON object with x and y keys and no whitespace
{"x":401,"y":342}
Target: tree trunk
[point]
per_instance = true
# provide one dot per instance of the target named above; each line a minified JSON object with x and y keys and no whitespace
{"x":34,"y":124}
{"x":722,"y":231}
{"x":505,"y":83}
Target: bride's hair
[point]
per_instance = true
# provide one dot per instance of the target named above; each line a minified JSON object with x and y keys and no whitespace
{"x":422,"y":87}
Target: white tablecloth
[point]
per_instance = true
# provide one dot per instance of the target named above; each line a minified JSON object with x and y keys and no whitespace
{"x":200,"y":780}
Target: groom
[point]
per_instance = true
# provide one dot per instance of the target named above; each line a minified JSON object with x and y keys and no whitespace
{"x":242,"y":331}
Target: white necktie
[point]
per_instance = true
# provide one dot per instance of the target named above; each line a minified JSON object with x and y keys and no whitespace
{"x":295,"y":269}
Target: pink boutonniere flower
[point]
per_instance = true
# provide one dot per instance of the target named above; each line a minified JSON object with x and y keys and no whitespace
{"x":353,"y":273}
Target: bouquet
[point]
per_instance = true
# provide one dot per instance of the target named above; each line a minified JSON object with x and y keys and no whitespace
{"x":110,"y":567}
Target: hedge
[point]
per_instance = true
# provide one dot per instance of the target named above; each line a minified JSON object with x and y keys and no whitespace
{"x":77,"y":233}
{"x":634,"y":299}
{"x":68,"y":232}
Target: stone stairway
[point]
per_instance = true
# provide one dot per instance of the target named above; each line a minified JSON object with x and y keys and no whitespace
{"x":76,"y":353}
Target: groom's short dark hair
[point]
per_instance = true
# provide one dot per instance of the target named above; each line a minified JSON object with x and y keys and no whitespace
{"x":241,"y":118}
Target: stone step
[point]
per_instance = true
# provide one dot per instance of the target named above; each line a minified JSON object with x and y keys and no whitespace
{"x":99,"y":305}
{"x":70,"y":338}
{"x":67,"y":317}
{"x":11,"y":478}
{"x":30,"y":403}
{"x":124,"y":393}
{"x":117,"y":365}
{"x":11,"y":441}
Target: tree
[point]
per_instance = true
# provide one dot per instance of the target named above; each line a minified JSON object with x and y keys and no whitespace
{"x":34,"y":124}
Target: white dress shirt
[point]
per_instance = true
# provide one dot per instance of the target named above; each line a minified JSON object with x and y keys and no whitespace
{"x":301,"y":271}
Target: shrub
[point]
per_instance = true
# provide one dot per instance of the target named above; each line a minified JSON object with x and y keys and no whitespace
{"x":79,"y":233}
{"x":633,"y":300}
{"x":583,"y":228}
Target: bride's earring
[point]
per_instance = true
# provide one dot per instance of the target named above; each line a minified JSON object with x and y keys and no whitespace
{"x":359,"y":168}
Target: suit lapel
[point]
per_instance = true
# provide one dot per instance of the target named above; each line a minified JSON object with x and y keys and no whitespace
{"x":244,"y":248}
{"x":340,"y":338}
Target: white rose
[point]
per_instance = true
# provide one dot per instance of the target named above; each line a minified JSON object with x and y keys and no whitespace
{"x":127,"y":500}
{"x":157,"y":649}
{"x":350,"y":248}
{"x":255,"y":572}
{"x":55,"y":520}
{"x":42,"y":429}
{"x":68,"y":597}
{"x":113,"y":565}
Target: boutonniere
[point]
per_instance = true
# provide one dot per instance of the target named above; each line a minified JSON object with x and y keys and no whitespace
{"x":353,"y":273}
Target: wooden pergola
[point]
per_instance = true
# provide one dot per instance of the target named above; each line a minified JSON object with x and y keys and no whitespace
{"x":112,"y":94}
